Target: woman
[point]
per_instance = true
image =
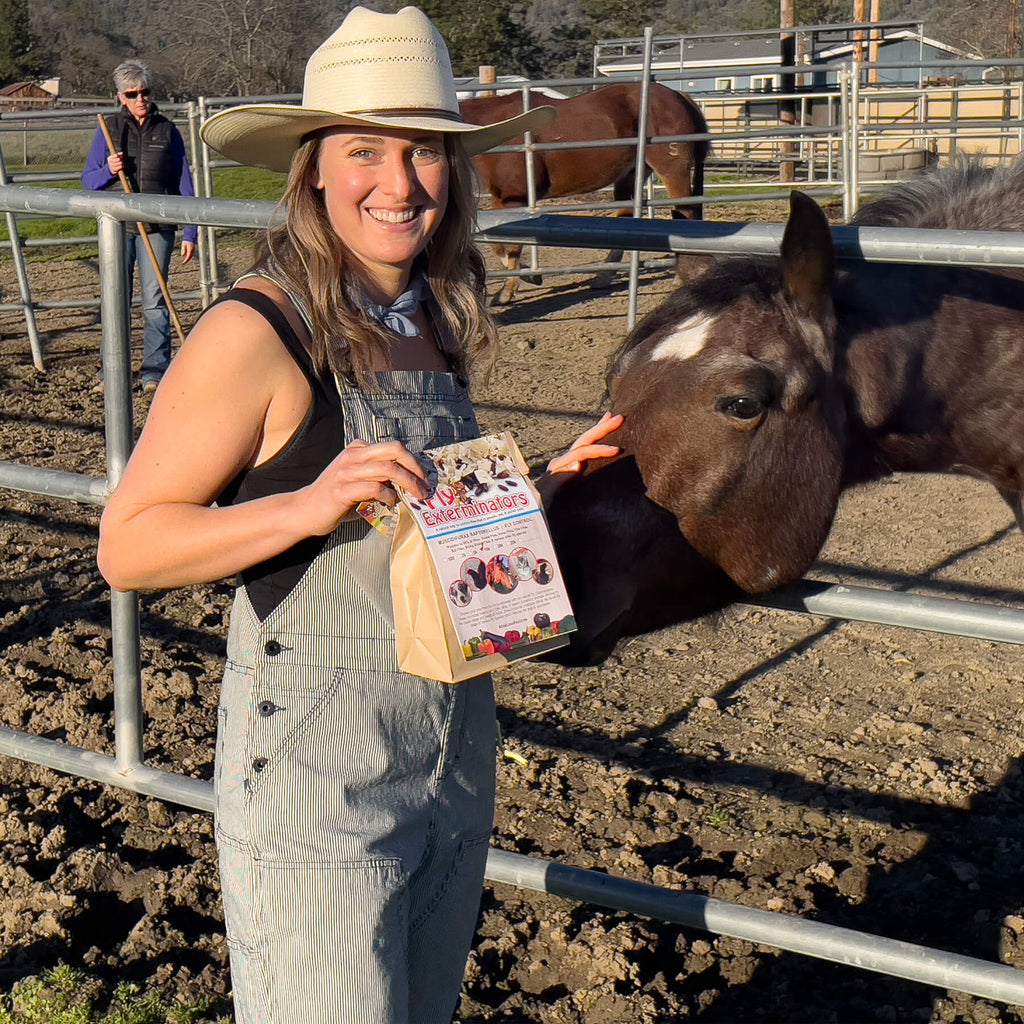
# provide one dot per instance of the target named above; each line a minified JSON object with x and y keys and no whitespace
{"x":353,"y":802}
{"x":151,"y":153}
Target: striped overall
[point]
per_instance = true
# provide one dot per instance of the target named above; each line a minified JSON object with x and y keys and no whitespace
{"x":354,"y":803}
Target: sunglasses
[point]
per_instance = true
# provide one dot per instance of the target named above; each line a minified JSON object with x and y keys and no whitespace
{"x":134,"y":94}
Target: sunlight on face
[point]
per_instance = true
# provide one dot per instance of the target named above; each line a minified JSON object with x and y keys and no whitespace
{"x":385,"y":191}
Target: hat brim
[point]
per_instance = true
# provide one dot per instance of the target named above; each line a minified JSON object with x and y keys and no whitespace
{"x":268,"y":134}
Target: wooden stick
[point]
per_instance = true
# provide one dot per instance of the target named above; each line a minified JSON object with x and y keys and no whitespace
{"x":126,"y":185}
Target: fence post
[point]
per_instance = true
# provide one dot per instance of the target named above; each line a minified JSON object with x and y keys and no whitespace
{"x":200,"y":185}
{"x":531,"y":176}
{"x":954,"y":116}
{"x":639,"y":174}
{"x":845,"y":156}
{"x":22,"y":274}
{"x":117,"y":402}
{"x":211,"y":232}
{"x":1020,"y":114}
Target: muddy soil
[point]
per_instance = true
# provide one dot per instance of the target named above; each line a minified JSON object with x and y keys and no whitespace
{"x":859,"y":775}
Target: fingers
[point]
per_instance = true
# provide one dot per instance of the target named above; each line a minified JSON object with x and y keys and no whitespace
{"x":572,"y":460}
{"x":604,"y":426}
{"x":585,"y":447}
{"x":389,"y":465}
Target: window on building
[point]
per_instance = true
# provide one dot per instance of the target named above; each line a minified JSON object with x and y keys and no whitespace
{"x":725,"y":84}
{"x":762,"y":83}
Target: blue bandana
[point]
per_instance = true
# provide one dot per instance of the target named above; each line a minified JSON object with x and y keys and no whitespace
{"x":398,"y":316}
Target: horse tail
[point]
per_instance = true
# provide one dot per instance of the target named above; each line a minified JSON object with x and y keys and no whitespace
{"x":701,"y":150}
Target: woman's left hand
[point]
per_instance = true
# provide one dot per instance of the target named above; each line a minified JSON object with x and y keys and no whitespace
{"x":586,"y":447}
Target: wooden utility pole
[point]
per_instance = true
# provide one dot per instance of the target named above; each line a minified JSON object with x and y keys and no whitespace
{"x":875,"y":17}
{"x":858,"y":34}
{"x":787,"y":105}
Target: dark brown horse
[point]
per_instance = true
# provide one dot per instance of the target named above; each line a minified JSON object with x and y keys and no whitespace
{"x":762,"y":389}
{"x":612,"y":112}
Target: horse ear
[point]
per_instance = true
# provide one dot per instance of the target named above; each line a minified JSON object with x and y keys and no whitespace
{"x":808,"y":258}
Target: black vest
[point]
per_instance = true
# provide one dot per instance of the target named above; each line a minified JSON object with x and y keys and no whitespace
{"x":147,"y":156}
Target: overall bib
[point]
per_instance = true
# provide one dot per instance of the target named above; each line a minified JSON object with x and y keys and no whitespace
{"x":354,"y":802}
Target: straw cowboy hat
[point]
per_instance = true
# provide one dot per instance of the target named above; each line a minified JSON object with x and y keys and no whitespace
{"x":383,"y":70}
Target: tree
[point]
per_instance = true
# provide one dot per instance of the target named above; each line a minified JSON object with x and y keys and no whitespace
{"x":486,"y":32}
{"x":561,"y":32}
{"x":623,"y":19}
{"x":979,"y":28}
{"x":86,"y":52}
{"x":243,"y":47}
{"x":822,"y":12}
{"x":21,"y":57}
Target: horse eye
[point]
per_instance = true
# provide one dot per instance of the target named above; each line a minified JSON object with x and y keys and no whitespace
{"x":740,"y":407}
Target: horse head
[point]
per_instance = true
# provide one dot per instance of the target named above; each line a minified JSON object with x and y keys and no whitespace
{"x":733,"y":411}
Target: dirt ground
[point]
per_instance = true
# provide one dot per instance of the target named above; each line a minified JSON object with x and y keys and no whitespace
{"x":859,"y":775}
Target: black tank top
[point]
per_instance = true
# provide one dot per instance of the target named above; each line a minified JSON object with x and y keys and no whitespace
{"x":318,"y":439}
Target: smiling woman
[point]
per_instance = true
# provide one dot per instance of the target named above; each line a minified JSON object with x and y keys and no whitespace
{"x":353,"y":802}
{"x":384,"y":194}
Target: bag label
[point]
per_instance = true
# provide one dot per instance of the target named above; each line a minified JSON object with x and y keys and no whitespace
{"x":491,"y":548}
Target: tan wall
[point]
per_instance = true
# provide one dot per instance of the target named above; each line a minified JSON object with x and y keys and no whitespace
{"x":883,"y":111}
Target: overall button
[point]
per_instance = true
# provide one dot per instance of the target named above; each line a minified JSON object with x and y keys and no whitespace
{"x":259,"y":764}
{"x":273,"y":648}
{"x":267,"y":708}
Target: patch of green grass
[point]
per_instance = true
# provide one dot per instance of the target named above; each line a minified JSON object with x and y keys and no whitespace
{"x":38,"y":149}
{"x":67,"y":995}
{"x":248,"y":183}
{"x":50,"y":227}
{"x":716,"y":817}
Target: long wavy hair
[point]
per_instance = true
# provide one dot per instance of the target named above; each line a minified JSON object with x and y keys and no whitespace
{"x":311,"y":261}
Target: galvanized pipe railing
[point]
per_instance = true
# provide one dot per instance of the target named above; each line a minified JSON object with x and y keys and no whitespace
{"x":793,"y":934}
{"x":890,"y":245}
{"x":25,"y":306}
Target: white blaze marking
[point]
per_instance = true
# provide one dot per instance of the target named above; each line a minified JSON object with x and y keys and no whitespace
{"x":686,"y":340}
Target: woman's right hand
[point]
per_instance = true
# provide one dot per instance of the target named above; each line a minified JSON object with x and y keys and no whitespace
{"x":362,"y":472}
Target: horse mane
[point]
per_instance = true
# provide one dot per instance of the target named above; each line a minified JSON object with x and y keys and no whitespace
{"x":965,"y":195}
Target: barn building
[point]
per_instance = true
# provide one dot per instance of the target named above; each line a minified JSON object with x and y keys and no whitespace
{"x":749,"y":61}
{"x":25,"y":96}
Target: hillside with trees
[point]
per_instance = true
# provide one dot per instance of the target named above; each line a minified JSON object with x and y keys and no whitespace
{"x":258,"y":47}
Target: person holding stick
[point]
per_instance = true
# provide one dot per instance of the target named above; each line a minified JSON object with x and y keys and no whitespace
{"x":150,"y":156}
{"x":353,"y":802}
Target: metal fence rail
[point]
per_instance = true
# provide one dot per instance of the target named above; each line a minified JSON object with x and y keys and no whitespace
{"x":127,"y":769}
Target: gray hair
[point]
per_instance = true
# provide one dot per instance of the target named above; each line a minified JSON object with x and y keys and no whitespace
{"x":132,"y":72}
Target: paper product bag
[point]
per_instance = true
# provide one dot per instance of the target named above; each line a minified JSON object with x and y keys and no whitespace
{"x":474,"y":579}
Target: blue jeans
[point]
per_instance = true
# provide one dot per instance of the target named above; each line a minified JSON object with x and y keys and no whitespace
{"x":156,"y":337}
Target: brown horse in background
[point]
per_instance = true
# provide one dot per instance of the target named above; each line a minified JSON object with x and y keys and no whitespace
{"x":612,"y":112}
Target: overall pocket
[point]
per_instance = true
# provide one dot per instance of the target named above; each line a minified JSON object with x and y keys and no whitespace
{"x":356,"y":778}
{"x":260,"y":717}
